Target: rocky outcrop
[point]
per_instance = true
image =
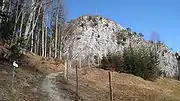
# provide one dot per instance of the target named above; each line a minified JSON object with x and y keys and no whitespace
{"x":168,"y":62}
{"x":95,"y":36}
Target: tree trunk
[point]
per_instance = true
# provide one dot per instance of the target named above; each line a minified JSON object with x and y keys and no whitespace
{"x":45,"y":41}
{"x":37,"y":43}
{"x":56,"y":35}
{"x":42,"y":36}
{"x":32,"y":42}
{"x":60,"y":43}
{"x":21,"y":25}
{"x":50,"y":46}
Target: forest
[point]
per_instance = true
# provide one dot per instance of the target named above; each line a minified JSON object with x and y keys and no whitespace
{"x":33,"y":25}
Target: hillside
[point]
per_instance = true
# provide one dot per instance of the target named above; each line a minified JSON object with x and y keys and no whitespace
{"x":28,"y":78}
{"x":93,"y":86}
{"x":35,"y":81}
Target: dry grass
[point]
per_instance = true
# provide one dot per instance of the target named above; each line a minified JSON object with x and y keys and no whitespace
{"x":45,"y":65}
{"x":93,"y":83}
{"x":126,"y":87}
{"x":24,"y":82}
{"x":27,"y":79}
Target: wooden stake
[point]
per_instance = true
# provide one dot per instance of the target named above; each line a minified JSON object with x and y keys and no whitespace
{"x":77,"y":84}
{"x":88,"y":62}
{"x":65,"y":70}
{"x":80,"y":63}
{"x":110,"y":87}
{"x":98,"y":61}
{"x":13,"y":75}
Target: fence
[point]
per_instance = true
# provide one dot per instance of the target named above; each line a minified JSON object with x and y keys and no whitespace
{"x":77,"y":67}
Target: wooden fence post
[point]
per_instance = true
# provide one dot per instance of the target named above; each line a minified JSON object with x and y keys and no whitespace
{"x":98,"y":61}
{"x":65,"y":69}
{"x":88,"y":62}
{"x":80,"y":63}
{"x":77,"y":84}
{"x":110,"y":86}
{"x":13,"y":75}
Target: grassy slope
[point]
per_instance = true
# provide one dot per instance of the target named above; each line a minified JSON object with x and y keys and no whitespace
{"x":126,"y":87}
{"x":93,"y":83}
{"x":27,"y":79}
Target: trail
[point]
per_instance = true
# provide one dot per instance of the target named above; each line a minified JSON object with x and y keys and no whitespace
{"x":49,"y":86}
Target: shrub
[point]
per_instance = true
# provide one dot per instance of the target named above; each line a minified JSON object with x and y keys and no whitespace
{"x":11,"y":53}
{"x":128,"y":29}
{"x":121,"y":38}
{"x":140,"y":35}
{"x":113,"y":60}
{"x":141,"y":62}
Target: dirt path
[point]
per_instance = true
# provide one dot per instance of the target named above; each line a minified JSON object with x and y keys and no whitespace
{"x":49,"y":86}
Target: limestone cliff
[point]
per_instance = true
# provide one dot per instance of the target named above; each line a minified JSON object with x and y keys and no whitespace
{"x":95,"y":36}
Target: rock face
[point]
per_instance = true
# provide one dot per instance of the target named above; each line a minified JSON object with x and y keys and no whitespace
{"x":168,"y":62}
{"x":94,"y":36}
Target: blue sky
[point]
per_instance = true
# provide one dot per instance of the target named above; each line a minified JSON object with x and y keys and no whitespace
{"x":146,"y":16}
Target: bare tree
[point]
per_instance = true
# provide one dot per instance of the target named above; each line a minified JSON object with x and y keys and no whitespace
{"x":45,"y":42}
{"x":39,"y":24}
{"x":56,"y":36}
{"x":42,"y":36}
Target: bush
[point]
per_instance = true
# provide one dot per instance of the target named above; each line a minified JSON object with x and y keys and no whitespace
{"x":113,"y":60}
{"x":11,"y":53}
{"x":140,"y":35}
{"x":141,"y":62}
